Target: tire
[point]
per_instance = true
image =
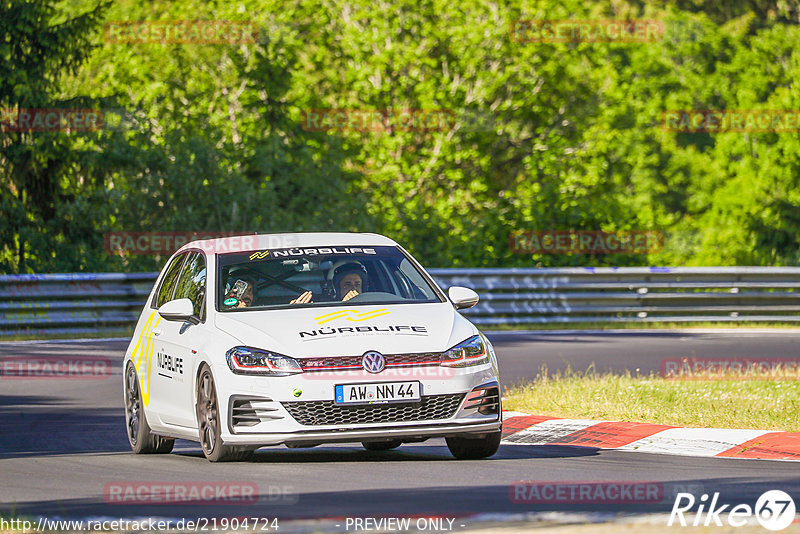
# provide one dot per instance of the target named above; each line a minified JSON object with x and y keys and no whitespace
{"x":474,"y":448}
{"x":142,"y":440}
{"x":381,"y":445}
{"x":209,"y":425}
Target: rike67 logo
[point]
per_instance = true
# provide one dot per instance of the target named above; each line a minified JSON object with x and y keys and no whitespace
{"x":774,"y":510}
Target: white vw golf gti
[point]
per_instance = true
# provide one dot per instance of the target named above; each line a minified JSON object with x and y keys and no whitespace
{"x":303,"y":339}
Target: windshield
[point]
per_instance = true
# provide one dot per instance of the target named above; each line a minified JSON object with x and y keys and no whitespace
{"x":320,"y":276}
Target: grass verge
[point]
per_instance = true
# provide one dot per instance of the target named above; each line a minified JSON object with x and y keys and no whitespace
{"x":727,"y":402}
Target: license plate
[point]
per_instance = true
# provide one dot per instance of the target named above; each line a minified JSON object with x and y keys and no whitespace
{"x":380,"y":393}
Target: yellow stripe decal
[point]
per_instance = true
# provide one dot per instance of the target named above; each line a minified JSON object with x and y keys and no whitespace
{"x":334,"y":313}
{"x":333,"y":318}
{"x":139,"y":342}
{"x":356,"y":316}
{"x":149,"y":367}
{"x":142,"y":356}
{"x":371,"y":315}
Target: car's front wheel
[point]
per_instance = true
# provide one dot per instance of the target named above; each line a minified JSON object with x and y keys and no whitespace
{"x":209,"y":426}
{"x":142,"y":440}
{"x":474,"y":448}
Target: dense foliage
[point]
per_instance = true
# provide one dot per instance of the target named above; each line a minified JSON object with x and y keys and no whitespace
{"x":544,"y":135}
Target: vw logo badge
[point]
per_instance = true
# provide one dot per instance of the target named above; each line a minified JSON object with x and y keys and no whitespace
{"x":373,"y":362}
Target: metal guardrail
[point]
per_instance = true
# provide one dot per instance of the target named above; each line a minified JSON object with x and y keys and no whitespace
{"x":630,"y":294}
{"x":68,"y":304}
{"x":50,"y":305}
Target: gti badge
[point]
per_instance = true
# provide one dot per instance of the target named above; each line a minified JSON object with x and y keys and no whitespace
{"x":373,"y":362}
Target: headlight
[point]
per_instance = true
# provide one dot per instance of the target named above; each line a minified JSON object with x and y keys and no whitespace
{"x":249,"y":361}
{"x":466,"y":353}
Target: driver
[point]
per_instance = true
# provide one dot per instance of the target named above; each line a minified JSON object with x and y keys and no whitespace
{"x":349,"y":279}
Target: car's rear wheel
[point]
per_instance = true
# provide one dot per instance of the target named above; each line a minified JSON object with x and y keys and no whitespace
{"x":142,"y":440}
{"x":209,"y":426}
{"x":474,"y":448}
{"x":381,"y":445}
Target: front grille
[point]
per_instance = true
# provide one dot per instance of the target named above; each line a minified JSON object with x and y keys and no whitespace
{"x":335,"y":362}
{"x":326,"y":363}
{"x":432,"y":407}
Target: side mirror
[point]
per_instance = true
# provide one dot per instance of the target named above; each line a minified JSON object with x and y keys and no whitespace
{"x":178,"y":310}
{"x":462,"y":297}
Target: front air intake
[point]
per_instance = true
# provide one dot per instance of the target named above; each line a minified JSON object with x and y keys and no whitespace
{"x":485,"y":400}
{"x":250,"y":411}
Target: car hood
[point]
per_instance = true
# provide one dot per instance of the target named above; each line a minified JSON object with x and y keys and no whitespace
{"x":348,"y":330}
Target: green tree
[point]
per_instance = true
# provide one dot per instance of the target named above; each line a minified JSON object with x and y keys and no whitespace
{"x":45,"y":183}
{"x":539,"y":135}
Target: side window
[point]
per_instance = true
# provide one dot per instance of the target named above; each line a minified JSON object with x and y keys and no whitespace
{"x":192,"y":283}
{"x":164,"y":294}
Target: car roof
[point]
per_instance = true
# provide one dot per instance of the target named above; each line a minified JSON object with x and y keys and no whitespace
{"x":253,"y":242}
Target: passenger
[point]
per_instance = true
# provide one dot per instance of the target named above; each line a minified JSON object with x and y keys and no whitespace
{"x":241,"y":293}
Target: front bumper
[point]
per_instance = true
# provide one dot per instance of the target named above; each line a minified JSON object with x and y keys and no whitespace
{"x":416,"y":432}
{"x":456,"y":405}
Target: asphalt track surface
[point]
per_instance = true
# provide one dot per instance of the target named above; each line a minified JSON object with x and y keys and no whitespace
{"x":62,"y":442}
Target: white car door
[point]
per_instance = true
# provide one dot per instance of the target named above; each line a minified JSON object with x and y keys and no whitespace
{"x":148,"y":344}
{"x":177,"y":347}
